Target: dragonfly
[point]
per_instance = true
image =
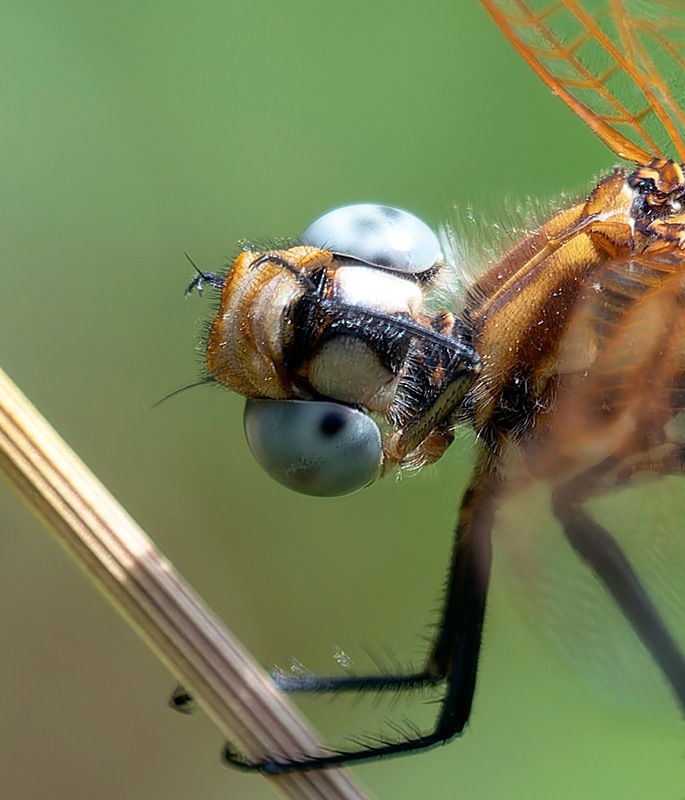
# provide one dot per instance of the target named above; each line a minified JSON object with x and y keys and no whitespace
{"x":566,"y":358}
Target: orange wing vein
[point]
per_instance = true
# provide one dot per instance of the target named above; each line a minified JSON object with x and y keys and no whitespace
{"x":618,"y":64}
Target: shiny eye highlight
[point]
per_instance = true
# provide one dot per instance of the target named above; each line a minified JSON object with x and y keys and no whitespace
{"x":314,"y":447}
{"x":382,"y":236}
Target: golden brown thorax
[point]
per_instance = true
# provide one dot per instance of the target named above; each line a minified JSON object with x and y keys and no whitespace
{"x":583,"y":307}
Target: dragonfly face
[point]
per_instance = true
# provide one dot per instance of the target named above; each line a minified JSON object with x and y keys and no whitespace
{"x":347,"y":325}
{"x":568,"y":359}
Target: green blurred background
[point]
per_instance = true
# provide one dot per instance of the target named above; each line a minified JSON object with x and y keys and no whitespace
{"x":134,"y":131}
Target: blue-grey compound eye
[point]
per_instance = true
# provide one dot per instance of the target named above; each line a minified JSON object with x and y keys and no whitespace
{"x":379,"y":235}
{"x":314,"y":447}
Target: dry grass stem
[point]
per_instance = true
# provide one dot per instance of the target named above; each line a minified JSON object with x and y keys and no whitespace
{"x":152,"y":596}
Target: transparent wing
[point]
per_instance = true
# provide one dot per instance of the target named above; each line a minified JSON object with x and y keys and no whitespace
{"x":618,"y":64}
{"x":570,"y":612}
{"x":621,"y":423}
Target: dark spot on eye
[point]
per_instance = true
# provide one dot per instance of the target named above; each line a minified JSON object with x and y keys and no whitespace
{"x":332,"y":423}
{"x":365,"y":225}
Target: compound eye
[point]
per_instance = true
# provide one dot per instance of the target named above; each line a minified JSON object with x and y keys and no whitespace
{"x":379,"y":235}
{"x":314,"y":447}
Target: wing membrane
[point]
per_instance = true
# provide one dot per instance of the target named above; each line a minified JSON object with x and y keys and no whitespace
{"x":618,"y":64}
{"x":572,"y":614}
{"x":620,"y":421}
